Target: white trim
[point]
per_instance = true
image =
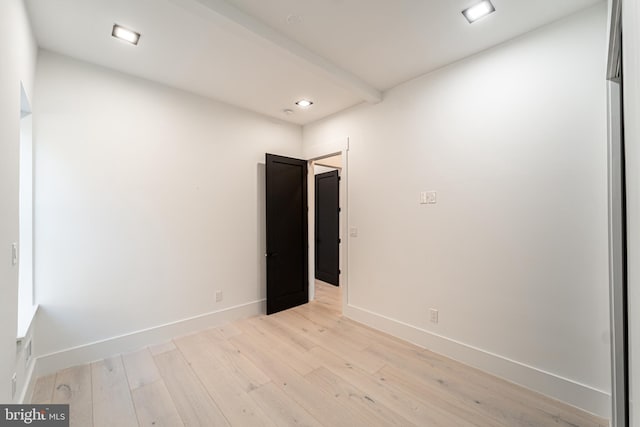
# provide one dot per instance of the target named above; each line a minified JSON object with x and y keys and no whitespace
{"x":25,"y":321}
{"x":323,"y":150}
{"x":53,"y":362}
{"x":29,"y":383}
{"x":631,"y":98}
{"x":566,"y":390}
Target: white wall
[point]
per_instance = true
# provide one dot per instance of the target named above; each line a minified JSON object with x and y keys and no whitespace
{"x":148,"y":200}
{"x":18,"y":63}
{"x":631,"y":70}
{"x":514,"y":254}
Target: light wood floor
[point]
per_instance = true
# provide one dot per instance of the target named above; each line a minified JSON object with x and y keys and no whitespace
{"x":307,"y":366}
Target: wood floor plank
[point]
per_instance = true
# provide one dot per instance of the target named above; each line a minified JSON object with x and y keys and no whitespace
{"x":317,"y":314}
{"x":294,"y":358}
{"x":112,"y":402}
{"x":162,"y":348}
{"x":154,"y":406}
{"x":140,"y":368}
{"x":288,"y":324}
{"x":264,"y":358}
{"x":318,"y":403}
{"x":412,"y":407}
{"x":282,"y":409}
{"x":324,"y":337}
{"x":352,"y":327}
{"x":43,"y":390}
{"x":469,"y":386}
{"x":195,"y":406}
{"x":234,"y":402}
{"x":366,"y":409}
{"x":244,"y":371}
{"x":73,"y":387}
{"x":268,"y":324}
{"x":228,"y":330}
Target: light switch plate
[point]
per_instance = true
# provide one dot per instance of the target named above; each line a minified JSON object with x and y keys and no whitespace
{"x":431,"y":197}
{"x":14,"y":254}
{"x":353,"y":232}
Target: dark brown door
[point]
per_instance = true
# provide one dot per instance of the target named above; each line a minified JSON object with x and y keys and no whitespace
{"x":287,"y":233}
{"x":327,"y":227}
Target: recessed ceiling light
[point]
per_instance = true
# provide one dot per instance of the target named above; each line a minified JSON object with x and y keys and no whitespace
{"x":478,"y":11}
{"x":125,"y":34}
{"x":304,"y":103}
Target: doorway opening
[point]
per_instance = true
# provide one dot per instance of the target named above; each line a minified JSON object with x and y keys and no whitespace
{"x":290,"y":229}
{"x":326,"y":219}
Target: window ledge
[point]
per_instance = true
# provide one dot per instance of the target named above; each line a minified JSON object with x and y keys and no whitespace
{"x":25,"y":319}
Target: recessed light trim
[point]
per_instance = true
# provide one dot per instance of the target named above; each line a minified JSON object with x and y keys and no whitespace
{"x":478,"y":10}
{"x":304,"y":103}
{"x":125,"y":34}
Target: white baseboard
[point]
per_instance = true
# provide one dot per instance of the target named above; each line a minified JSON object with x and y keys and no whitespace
{"x":573,"y":393}
{"x":29,"y":383}
{"x":53,"y":362}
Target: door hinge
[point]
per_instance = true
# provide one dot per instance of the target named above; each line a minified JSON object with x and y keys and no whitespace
{"x":339,"y":240}
{"x":339,"y":271}
{"x":339,"y":178}
{"x":339,"y":210}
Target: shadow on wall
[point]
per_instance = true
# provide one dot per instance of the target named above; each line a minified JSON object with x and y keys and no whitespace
{"x":262,"y":232}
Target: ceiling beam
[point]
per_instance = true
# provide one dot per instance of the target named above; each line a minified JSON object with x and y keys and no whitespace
{"x":222,"y":12}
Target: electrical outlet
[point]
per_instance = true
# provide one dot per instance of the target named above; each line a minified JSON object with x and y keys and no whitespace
{"x":14,"y":382}
{"x":219,"y":296}
{"x":433,"y":315}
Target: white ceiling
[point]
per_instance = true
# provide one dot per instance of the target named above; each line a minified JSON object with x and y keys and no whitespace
{"x":264,"y":55}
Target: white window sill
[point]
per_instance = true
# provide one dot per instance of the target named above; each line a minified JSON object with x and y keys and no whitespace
{"x":25,"y":318}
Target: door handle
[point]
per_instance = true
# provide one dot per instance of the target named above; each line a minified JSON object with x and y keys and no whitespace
{"x":271,"y":254}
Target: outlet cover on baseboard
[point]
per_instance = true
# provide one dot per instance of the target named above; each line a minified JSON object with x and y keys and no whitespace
{"x":219,"y":296}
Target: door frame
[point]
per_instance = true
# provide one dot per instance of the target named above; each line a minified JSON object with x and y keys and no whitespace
{"x":317,"y":153}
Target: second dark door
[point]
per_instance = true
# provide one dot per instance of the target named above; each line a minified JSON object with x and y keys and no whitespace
{"x":327,"y":227}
